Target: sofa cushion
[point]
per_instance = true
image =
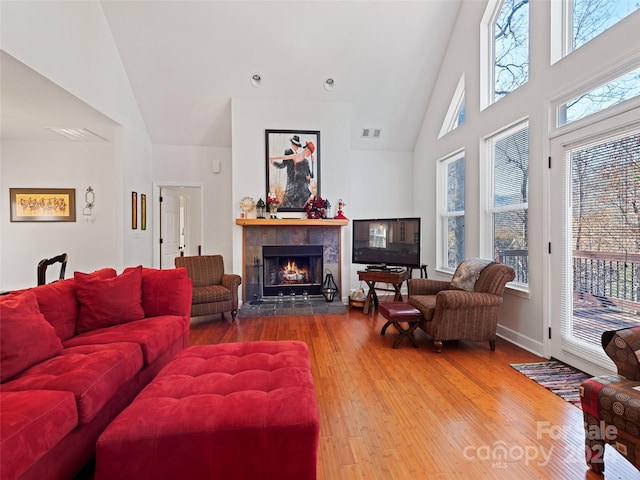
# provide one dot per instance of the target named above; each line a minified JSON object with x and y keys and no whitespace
{"x":165,"y":292}
{"x":93,"y":373}
{"x":31,"y":423}
{"x":154,"y":335}
{"x":59,"y":304}
{"x":26,"y":337}
{"x":111,"y":301}
{"x":425,"y":303}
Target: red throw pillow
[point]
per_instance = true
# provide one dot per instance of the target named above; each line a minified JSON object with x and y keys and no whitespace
{"x":26,"y":338}
{"x":105,"y":302}
{"x":165,"y":292}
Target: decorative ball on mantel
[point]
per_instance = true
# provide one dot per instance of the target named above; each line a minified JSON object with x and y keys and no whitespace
{"x":247,"y":204}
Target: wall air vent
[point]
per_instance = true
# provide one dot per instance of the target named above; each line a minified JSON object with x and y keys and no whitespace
{"x":77,"y":134}
{"x":372,"y":133}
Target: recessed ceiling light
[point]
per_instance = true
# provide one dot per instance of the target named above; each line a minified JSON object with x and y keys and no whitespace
{"x":329,"y":83}
{"x":256,"y":79}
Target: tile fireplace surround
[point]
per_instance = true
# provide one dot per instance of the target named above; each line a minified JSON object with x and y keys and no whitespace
{"x":287,"y":231}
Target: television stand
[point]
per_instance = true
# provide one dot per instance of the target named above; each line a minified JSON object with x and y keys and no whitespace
{"x":393,"y":278}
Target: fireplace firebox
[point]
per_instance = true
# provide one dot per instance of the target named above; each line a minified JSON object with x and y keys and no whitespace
{"x":292,"y":268}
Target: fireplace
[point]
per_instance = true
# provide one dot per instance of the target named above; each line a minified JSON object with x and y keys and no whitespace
{"x":292,"y":268}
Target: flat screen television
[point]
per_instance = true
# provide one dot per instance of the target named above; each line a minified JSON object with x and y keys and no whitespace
{"x":386,"y":242}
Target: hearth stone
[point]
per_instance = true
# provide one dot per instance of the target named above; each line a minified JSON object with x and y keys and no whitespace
{"x":272,"y":308}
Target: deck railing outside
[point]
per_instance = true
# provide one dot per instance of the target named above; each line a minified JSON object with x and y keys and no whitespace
{"x":610,"y":279}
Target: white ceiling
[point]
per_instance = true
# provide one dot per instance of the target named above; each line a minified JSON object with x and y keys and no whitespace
{"x":186,"y":59}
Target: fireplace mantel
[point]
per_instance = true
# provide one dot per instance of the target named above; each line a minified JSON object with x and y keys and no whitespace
{"x":287,"y":222}
{"x":257,"y":233}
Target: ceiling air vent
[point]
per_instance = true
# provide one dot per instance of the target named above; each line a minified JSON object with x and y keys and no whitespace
{"x":78,"y":134}
{"x":372,"y":133}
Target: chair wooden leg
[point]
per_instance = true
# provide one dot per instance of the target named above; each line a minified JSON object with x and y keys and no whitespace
{"x":438,"y":345}
{"x":492,"y":345}
{"x":233,"y":315}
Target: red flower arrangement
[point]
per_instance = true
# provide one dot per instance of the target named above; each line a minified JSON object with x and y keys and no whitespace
{"x":316,"y":207}
{"x":272,"y":199}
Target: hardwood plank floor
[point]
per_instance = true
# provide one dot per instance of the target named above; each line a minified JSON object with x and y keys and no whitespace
{"x":411,"y":413}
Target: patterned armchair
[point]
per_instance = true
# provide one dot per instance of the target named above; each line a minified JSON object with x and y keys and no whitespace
{"x":213,"y":290}
{"x":611,"y":403}
{"x":462,"y":310}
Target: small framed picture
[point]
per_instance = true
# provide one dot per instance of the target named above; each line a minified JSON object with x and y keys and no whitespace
{"x":134,"y":210}
{"x":143,"y":211}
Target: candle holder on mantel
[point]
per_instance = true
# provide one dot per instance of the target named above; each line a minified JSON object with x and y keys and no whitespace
{"x":260,"y":206}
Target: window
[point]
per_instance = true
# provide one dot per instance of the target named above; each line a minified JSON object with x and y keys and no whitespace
{"x":508,"y":205}
{"x":505,"y":29}
{"x":456,"y":113}
{"x":583,"y":21}
{"x":451,"y":174}
{"x":592,"y":17}
{"x":612,"y":93}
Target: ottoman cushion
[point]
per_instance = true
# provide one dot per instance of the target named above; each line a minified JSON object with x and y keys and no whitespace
{"x":227,"y":411}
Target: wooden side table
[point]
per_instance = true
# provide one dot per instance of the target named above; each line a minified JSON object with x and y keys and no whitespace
{"x":393,"y":278}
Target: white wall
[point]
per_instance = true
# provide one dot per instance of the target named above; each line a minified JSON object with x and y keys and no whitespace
{"x":70,"y":44}
{"x":57,"y":165}
{"x":175,"y":165}
{"x":523,"y":317}
{"x":379,"y":180}
{"x":382,"y":187}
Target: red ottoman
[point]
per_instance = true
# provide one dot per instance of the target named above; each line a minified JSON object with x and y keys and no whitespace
{"x":226,"y":411}
{"x":396,"y":312}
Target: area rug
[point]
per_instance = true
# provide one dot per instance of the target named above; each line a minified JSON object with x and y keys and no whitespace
{"x":560,"y":378}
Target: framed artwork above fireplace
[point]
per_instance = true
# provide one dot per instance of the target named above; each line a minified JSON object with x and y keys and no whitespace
{"x":292,"y":167}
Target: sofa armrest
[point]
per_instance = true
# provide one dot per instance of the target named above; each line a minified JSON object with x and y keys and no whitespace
{"x":456,"y":299}
{"x":623,"y":347}
{"x":426,"y":286}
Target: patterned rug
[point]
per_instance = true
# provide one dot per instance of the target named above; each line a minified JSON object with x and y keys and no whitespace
{"x":558,"y":377}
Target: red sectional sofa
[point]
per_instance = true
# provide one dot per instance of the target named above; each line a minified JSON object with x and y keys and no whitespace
{"x":74,"y":354}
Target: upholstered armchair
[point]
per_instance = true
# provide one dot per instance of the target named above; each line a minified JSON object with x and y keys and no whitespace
{"x":465,"y":308}
{"x":213,"y":290}
{"x":611,"y":403}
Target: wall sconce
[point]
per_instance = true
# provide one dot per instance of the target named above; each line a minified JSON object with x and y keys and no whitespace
{"x":89,"y":199}
{"x":329,"y":288}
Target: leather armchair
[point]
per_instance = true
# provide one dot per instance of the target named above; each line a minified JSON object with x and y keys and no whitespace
{"x":213,"y":290}
{"x":453,"y":314}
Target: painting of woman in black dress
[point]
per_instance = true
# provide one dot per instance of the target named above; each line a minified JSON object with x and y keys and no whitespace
{"x":293,"y":176}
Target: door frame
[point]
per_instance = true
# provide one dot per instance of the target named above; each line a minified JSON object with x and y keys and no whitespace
{"x":598,"y":127}
{"x":157,"y":186}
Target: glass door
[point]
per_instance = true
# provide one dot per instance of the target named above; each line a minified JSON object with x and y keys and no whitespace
{"x":594,"y":268}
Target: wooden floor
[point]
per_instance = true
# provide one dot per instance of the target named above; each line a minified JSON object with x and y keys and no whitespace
{"x":411,"y":413}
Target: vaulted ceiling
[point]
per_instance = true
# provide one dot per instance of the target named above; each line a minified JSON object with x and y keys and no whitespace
{"x":186,"y":60}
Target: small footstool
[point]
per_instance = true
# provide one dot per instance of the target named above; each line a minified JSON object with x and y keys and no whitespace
{"x":396,"y":312}
{"x":227,"y":411}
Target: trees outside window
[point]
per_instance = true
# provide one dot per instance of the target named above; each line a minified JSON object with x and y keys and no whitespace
{"x":451,"y":206}
{"x":510,"y":47}
{"x":619,"y":90}
{"x":509,"y":203}
{"x":589,"y":18}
